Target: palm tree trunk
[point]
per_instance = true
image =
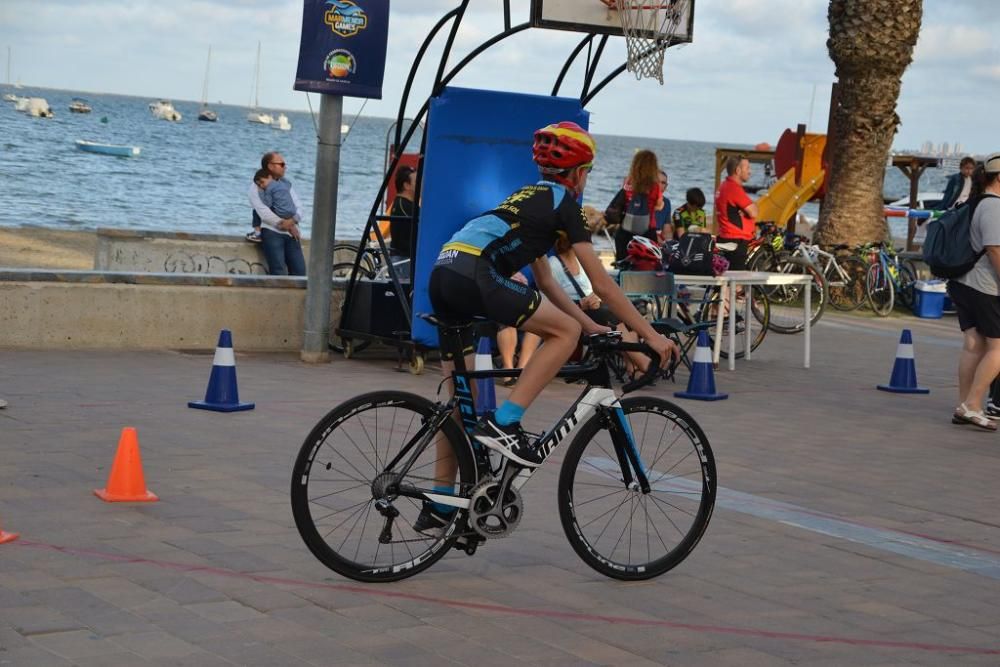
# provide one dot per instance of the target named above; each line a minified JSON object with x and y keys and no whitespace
{"x":871,"y":43}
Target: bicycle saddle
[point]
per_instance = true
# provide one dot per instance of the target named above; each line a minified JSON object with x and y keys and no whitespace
{"x":841,"y":246}
{"x":726,"y":246}
{"x":443,"y":323}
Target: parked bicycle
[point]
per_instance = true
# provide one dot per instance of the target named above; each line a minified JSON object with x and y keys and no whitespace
{"x":887,"y":279}
{"x":635,"y":493}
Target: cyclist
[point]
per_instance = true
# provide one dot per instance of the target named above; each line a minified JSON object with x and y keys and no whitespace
{"x":472,"y":278}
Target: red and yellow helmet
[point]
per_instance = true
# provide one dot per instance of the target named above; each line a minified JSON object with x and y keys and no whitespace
{"x":562,"y":146}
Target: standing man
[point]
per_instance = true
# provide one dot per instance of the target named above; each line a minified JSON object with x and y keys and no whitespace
{"x":959,"y":185}
{"x":403,"y":213}
{"x":280,"y":237}
{"x":735,"y":212}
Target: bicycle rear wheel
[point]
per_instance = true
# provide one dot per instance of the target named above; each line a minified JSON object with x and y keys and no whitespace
{"x":847,"y":292}
{"x":343,"y":468}
{"x":878,"y":287}
{"x":620,"y":531}
{"x":787,"y":301}
{"x":905,"y":291}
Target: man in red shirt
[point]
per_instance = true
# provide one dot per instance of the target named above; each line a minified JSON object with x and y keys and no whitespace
{"x":735,"y":212}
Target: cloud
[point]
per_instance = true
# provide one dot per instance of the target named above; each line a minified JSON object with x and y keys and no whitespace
{"x":950,"y":43}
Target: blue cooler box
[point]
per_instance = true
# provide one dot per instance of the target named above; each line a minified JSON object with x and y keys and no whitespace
{"x":929,"y":296}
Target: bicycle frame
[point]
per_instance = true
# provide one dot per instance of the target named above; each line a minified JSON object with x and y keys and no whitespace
{"x":597,"y":397}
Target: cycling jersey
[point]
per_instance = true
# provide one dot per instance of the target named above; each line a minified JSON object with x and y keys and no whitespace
{"x":472,"y":274}
{"x":523,"y":228}
{"x":730,"y":203}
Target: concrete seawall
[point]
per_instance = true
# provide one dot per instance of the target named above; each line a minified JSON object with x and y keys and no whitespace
{"x":121,"y":310}
{"x":150,"y":251}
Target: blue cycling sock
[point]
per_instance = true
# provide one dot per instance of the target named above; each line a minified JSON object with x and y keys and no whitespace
{"x":508,"y":413}
{"x":441,"y":507}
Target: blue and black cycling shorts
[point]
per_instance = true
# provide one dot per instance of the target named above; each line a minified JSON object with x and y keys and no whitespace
{"x":463,"y":286}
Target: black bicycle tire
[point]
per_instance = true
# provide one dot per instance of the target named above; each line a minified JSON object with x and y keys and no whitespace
{"x":818,"y":302}
{"x":761,"y":312}
{"x":881,"y":310}
{"x":568,"y":510}
{"x":853,"y":292}
{"x":301,"y":504}
{"x":907,"y":280}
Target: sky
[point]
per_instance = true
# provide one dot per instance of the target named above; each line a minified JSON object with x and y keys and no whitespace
{"x":755,"y":66}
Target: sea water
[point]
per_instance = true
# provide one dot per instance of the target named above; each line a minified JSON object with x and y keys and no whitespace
{"x":193,"y":176}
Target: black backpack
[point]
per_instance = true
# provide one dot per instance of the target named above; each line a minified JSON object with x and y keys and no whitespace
{"x":948,"y":247}
{"x":691,"y":255}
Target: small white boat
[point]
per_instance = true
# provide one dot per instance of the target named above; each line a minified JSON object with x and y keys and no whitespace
{"x":37,"y":107}
{"x":164,"y":110}
{"x":260,"y":117}
{"x":345,"y":128}
{"x":281,"y":123}
{"x":208,"y":115}
{"x":108,"y":149}
{"x":79,"y":105}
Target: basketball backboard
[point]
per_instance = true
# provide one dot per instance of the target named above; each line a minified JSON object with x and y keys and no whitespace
{"x":595,"y":16}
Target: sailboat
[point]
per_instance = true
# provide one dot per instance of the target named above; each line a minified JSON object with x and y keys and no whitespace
{"x":255,"y":115}
{"x":206,"y":113}
{"x":9,"y":96}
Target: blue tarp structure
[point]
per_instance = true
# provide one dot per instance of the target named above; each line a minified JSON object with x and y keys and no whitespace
{"x":478,"y":152}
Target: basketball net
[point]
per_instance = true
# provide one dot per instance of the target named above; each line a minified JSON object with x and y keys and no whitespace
{"x":649,"y":29}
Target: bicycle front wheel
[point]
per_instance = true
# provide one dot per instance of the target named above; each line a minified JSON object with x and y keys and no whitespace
{"x":618,"y":530}
{"x":878,"y":286}
{"x":351,"y":459}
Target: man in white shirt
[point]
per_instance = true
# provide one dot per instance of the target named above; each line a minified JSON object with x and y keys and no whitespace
{"x":280,"y":238}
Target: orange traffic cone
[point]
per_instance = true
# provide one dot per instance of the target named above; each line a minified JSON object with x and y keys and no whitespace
{"x":7,"y":537}
{"x":126,"y":483}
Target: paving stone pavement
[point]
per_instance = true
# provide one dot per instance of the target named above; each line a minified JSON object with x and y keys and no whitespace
{"x":216,"y":573}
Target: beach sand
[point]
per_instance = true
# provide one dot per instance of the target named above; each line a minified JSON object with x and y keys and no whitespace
{"x":42,"y":248}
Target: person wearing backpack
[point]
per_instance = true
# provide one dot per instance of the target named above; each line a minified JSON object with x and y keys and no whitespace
{"x":976,"y":295}
{"x":635,"y":206}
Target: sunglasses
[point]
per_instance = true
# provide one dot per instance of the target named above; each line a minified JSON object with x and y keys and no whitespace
{"x":280,"y":164}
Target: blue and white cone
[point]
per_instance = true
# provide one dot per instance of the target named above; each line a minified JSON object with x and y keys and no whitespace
{"x":701,"y":384}
{"x":222,"y":394}
{"x":904,"y":371}
{"x":486,"y":399}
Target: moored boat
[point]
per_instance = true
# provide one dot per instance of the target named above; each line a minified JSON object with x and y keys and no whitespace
{"x":79,"y":105}
{"x":281,"y":123}
{"x":107,"y":149}
{"x":164,"y":110}
{"x":207,"y":114}
{"x":35,"y":106}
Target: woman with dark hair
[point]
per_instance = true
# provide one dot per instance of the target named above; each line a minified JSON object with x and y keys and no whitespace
{"x":976,"y":296}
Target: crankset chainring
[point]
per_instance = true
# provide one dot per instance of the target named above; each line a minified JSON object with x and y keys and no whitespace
{"x":489,"y":518}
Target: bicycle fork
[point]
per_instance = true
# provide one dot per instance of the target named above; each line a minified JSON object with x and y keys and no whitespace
{"x":629,"y":461}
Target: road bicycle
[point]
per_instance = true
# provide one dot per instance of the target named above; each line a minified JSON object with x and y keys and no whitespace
{"x":886,"y":279}
{"x":635,"y":493}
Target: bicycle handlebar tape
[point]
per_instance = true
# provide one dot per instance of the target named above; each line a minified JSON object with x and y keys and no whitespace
{"x":701,"y":384}
{"x":904,"y":371}
{"x":486,"y":400}
{"x":222,"y":394}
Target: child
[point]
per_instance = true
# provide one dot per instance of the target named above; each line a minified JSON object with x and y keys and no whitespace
{"x":262,"y":178}
{"x":277,"y":196}
{"x":690,"y":217}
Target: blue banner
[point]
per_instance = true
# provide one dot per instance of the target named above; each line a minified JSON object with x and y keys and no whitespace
{"x":343,"y":47}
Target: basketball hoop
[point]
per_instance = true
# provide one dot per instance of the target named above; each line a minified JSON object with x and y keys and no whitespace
{"x":649,"y":29}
